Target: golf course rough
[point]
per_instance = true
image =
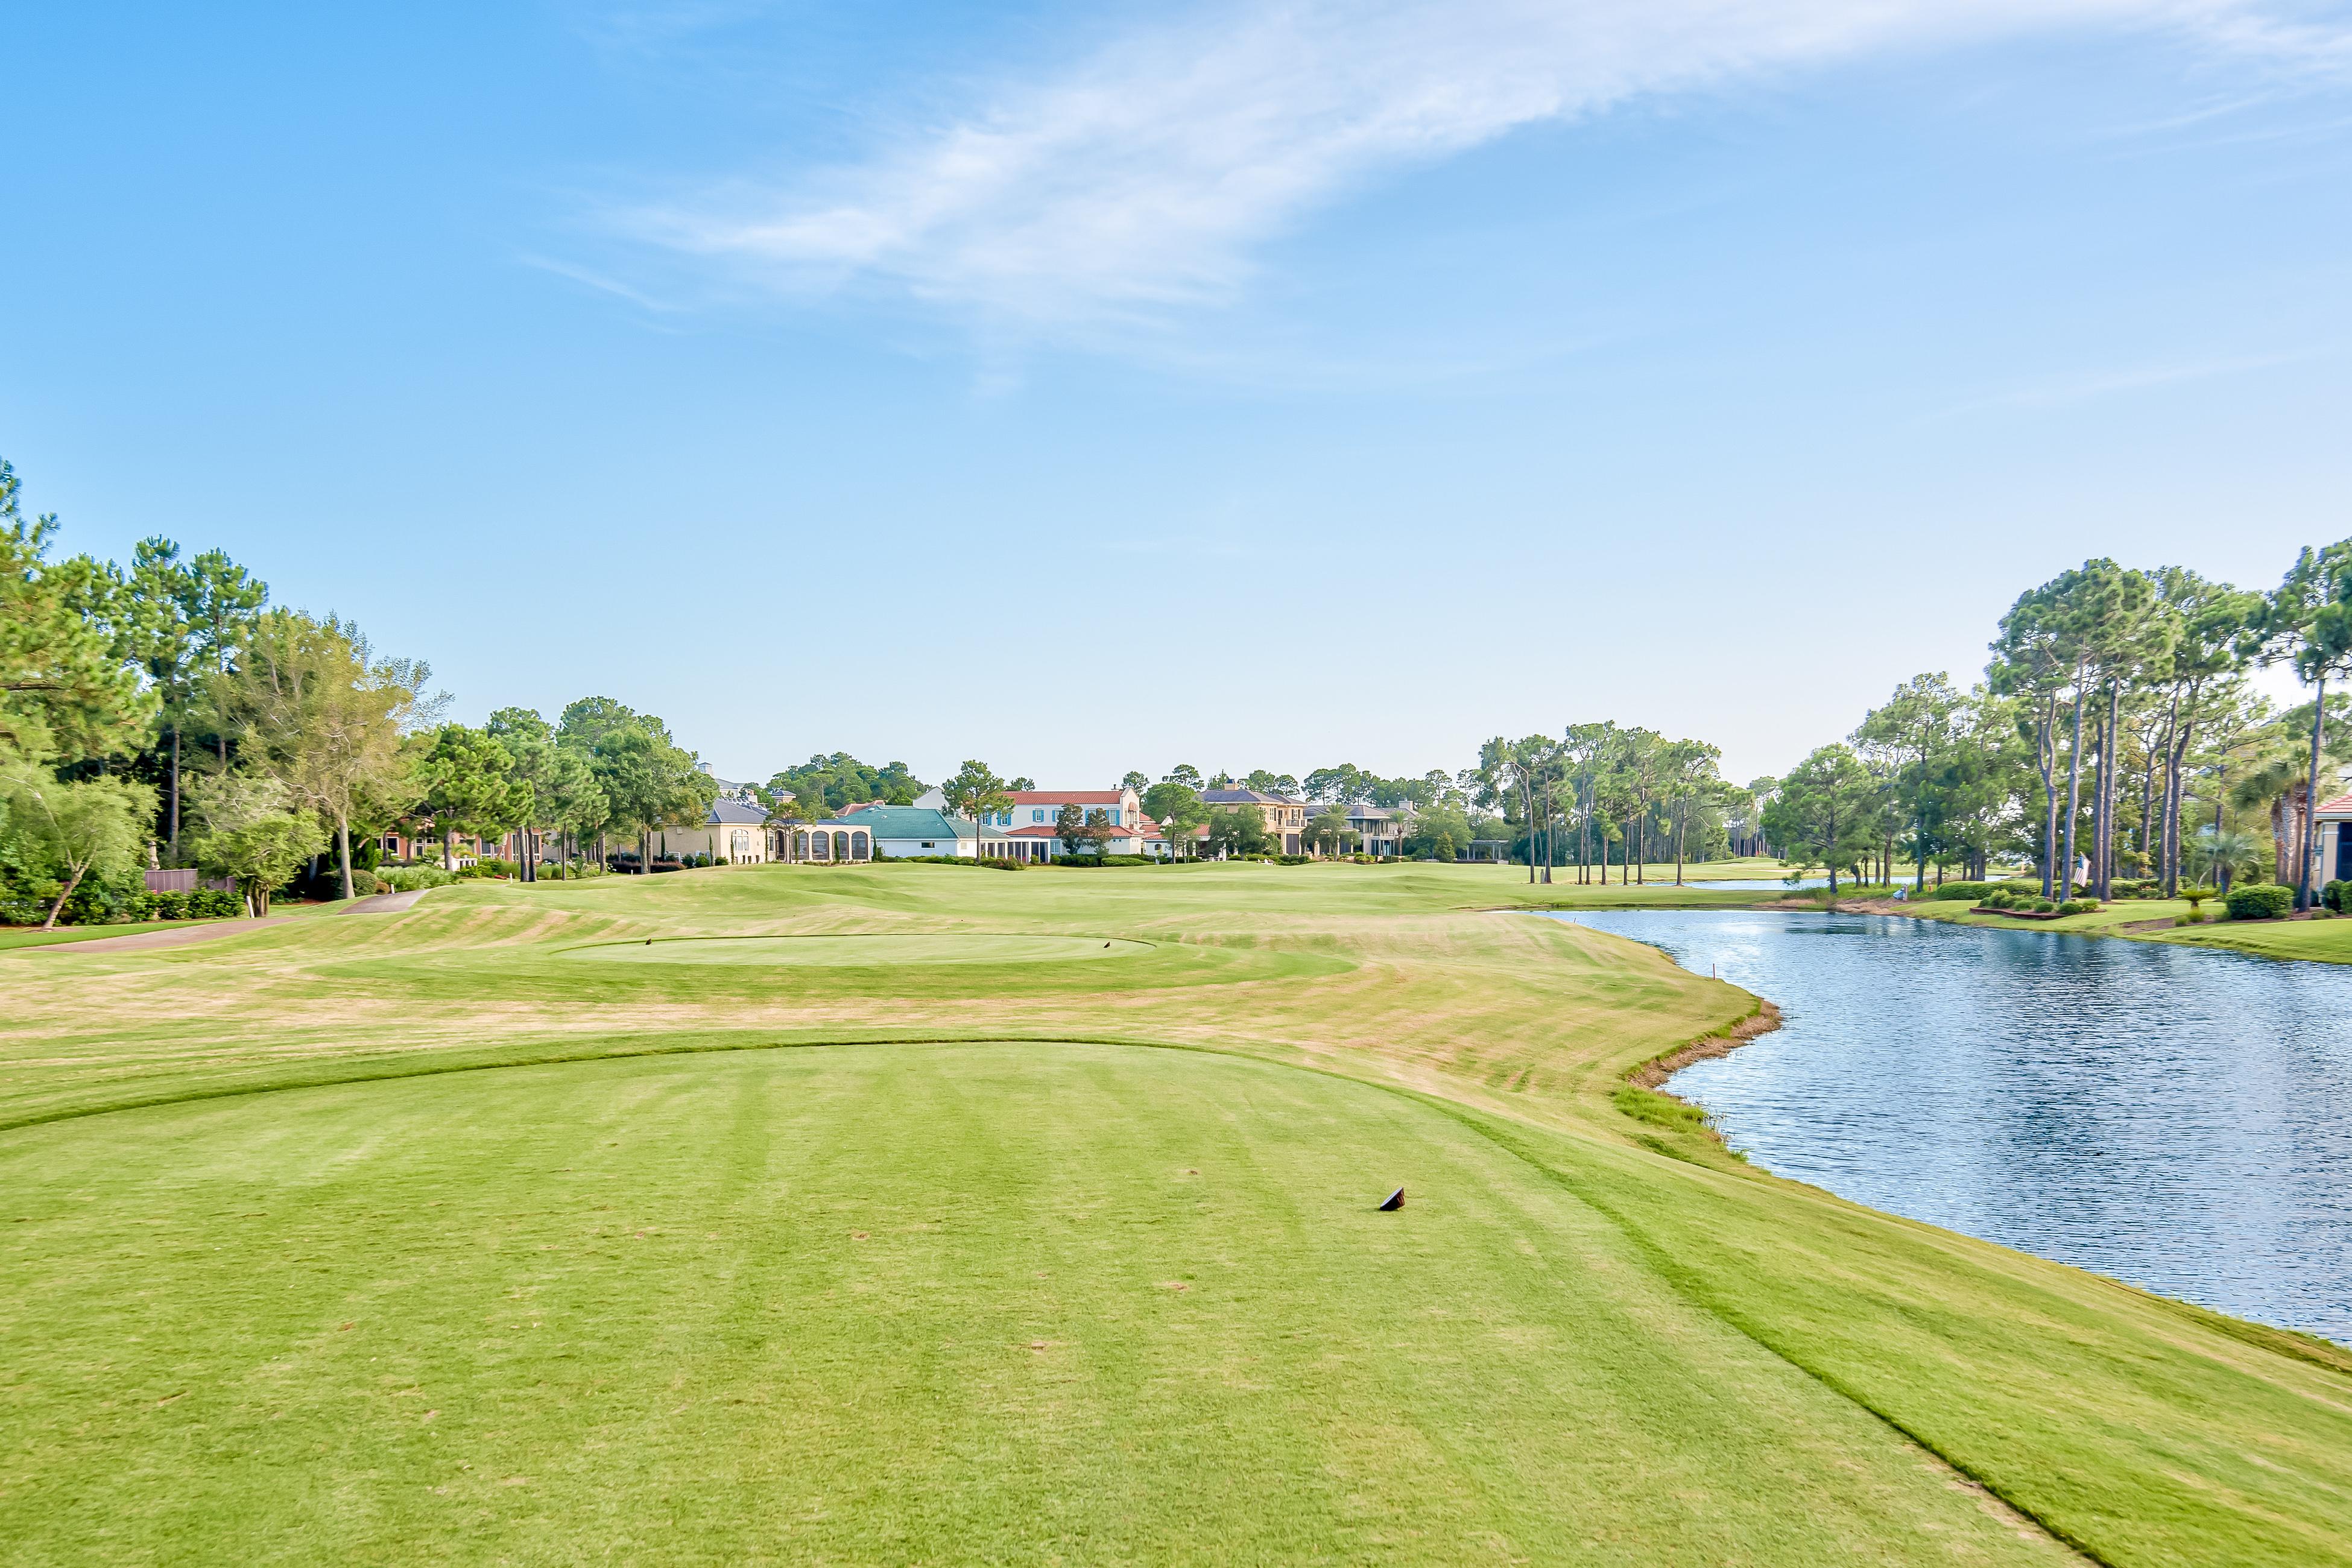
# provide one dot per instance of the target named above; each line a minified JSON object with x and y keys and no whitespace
{"x":389,"y":1237}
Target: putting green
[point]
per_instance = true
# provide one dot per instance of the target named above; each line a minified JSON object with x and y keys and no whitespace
{"x":863,"y":951}
{"x":960,"y":1303}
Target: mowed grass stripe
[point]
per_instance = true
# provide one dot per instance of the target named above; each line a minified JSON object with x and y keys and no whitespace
{"x":955,"y":1303}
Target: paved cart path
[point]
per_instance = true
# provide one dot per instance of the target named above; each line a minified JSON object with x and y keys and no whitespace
{"x":180,"y":936}
{"x":177,"y":936}
{"x":384,"y":903}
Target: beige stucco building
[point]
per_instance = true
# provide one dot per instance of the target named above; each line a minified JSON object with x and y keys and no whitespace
{"x":732,"y":832}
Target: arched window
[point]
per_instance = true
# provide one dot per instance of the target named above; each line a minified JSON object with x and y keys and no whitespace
{"x":823,"y":848}
{"x":841,"y":846}
{"x":860,"y":847}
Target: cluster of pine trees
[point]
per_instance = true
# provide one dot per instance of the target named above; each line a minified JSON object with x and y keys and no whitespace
{"x":2117,"y":735}
{"x":169,"y":714}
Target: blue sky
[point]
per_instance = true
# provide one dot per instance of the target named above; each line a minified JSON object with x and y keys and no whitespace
{"x":1106,"y":386}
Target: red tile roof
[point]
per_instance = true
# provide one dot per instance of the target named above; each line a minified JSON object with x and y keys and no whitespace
{"x":2340,"y":806}
{"x":1047,"y":830}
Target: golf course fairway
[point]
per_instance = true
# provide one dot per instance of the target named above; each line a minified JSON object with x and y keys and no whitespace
{"x":420,"y":1236}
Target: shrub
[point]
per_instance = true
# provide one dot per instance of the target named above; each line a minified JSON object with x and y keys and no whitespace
{"x":2042,"y":906}
{"x":2025,"y":885}
{"x":1962,"y":891}
{"x":409,"y":878}
{"x":2334,"y":895}
{"x":2261,"y":902}
{"x":95,"y":901}
{"x":365,"y":883}
{"x":214,"y":903}
{"x":2078,"y":906}
{"x":2190,"y":919}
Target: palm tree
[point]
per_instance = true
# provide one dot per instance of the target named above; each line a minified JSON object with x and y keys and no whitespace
{"x":2277,"y":780}
{"x":2221,"y":854}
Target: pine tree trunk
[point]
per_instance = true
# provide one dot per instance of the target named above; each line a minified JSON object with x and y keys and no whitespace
{"x":2073,"y":795}
{"x":2099,"y":800}
{"x":2303,"y":900}
{"x":344,"y":852}
{"x":1547,"y":844}
{"x":2175,"y":788}
{"x":2111,"y":763}
{"x":2043,"y":759}
{"x":1527,"y":815}
{"x":175,"y":794}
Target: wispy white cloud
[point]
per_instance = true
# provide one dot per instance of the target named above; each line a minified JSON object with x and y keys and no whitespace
{"x":1146,"y":175}
{"x":588,"y":278}
{"x":2065,"y":391}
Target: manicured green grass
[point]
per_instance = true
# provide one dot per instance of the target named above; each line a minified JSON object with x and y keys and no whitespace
{"x":603,"y":1221}
{"x":2320,"y":941}
{"x":892,"y":1303}
{"x":859,"y":952}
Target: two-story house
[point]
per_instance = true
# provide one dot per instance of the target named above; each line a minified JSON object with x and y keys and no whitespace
{"x":1286,"y":819}
{"x":1380,"y":829}
{"x":1031,"y":819}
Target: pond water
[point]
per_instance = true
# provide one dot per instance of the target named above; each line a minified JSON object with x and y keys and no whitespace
{"x":2178,"y":1118}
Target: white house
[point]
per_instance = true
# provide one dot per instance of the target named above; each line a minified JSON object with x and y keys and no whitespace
{"x":1041,"y":807}
{"x":1031,"y":821}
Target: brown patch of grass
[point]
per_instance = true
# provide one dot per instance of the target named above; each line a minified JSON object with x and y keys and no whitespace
{"x":1719,"y":1043}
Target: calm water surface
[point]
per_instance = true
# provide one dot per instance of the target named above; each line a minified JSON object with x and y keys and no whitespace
{"x":2178,"y":1119}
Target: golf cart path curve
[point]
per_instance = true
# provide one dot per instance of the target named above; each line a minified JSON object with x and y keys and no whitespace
{"x":384,"y":903}
{"x":178,"y":937}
